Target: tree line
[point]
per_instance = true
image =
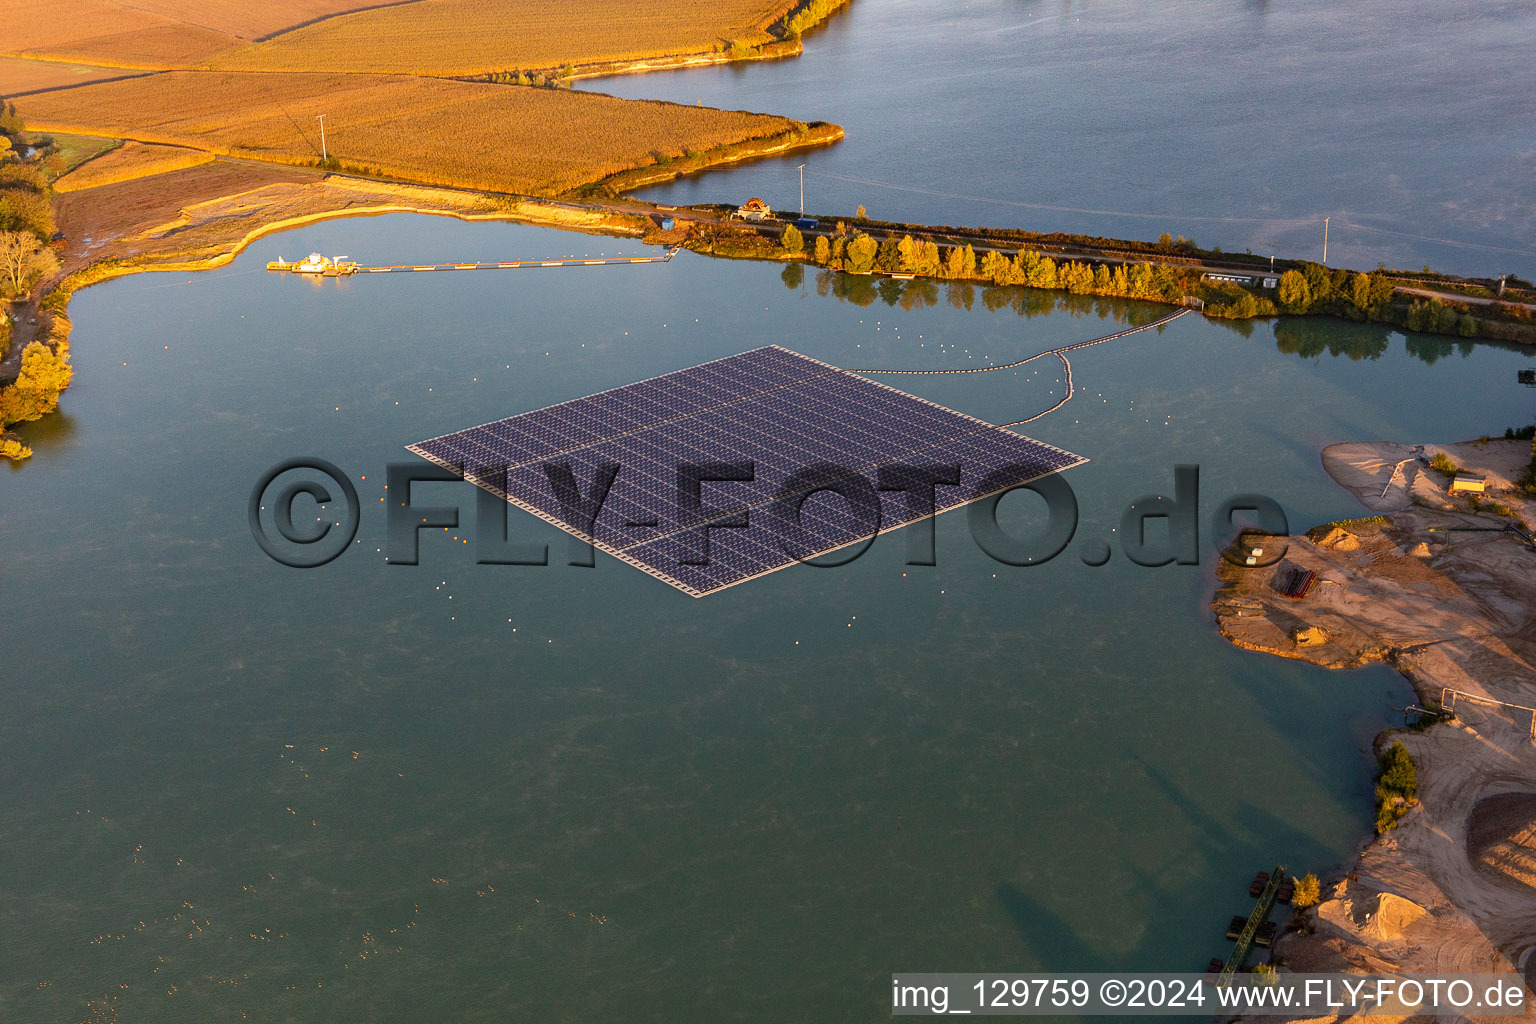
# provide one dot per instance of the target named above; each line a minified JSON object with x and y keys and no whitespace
{"x":26,"y":228}
{"x":1314,"y":289}
{"x":857,"y":252}
{"x":1367,"y":297}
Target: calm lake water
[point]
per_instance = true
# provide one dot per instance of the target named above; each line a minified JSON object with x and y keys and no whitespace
{"x":234,"y":790}
{"x":1241,"y":124}
{"x":468,"y":792}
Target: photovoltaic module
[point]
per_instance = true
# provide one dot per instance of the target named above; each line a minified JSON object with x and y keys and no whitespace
{"x":798,"y":422}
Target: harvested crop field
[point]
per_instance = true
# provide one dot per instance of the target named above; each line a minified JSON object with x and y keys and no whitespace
{"x":145,"y":49}
{"x":150,"y":33}
{"x":472,"y":135}
{"x":20,"y":76}
{"x":101,"y":222}
{"x":470,"y":37}
{"x":129,"y":161}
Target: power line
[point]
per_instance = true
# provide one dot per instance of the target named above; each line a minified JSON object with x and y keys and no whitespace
{"x":1088,"y":211}
{"x":1440,"y":241}
{"x":1067,"y":209}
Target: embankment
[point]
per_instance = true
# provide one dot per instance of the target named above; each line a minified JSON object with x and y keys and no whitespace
{"x":805,"y":136}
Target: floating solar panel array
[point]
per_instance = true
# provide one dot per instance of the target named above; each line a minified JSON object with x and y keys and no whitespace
{"x":713,"y":468}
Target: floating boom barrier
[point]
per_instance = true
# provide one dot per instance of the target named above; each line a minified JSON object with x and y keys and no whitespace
{"x":326,"y":267}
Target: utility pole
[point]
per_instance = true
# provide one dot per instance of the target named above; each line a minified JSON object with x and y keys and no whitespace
{"x":1325,"y":240}
{"x":325,"y":157}
{"x":802,"y":190}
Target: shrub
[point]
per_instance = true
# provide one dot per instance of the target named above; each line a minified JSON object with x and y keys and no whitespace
{"x":1443,"y":463}
{"x":1307,"y":893}
{"x":1397,"y":787}
{"x":1295,"y":293}
{"x":11,"y":447}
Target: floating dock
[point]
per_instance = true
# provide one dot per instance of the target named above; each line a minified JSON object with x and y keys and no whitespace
{"x":1255,"y":929}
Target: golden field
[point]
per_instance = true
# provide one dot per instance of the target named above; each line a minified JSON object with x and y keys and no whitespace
{"x":18,"y":76}
{"x":471,"y":37}
{"x":129,"y":161}
{"x":472,"y":135}
{"x":149,"y":33}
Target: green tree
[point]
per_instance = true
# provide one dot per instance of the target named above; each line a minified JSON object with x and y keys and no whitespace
{"x":10,"y":121}
{"x":44,"y":374}
{"x":792,"y":241}
{"x":928,"y":263}
{"x":1165,"y":282}
{"x":1037,"y":271}
{"x":23,"y":209}
{"x":888,"y":256}
{"x":1414,"y":321}
{"x":1308,"y":891}
{"x":908,"y":250}
{"x":1244,"y":307}
{"x":823,"y":250}
{"x":1044,"y":273}
{"x":1319,"y":281}
{"x":1102,"y":282}
{"x":1075,"y":277}
{"x":1139,"y":282}
{"x":1397,"y":787}
{"x":996,"y":267}
{"x":1295,"y":293}
{"x":861,"y":253}
{"x":1445,"y":319}
{"x":1360,"y":292}
{"x":1382,"y":288}
{"x":1466,"y":326}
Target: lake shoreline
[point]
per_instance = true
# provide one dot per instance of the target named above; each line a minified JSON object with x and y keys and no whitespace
{"x":211,"y":233}
{"x":1438,"y":590}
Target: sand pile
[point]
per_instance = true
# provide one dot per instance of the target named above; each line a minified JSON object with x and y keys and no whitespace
{"x":1501,"y":838}
{"x":1334,"y":538}
{"x":1392,"y":916}
{"x":1381,"y":916}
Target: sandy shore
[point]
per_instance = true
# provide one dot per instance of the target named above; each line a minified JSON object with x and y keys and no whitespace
{"x":1447,"y":596}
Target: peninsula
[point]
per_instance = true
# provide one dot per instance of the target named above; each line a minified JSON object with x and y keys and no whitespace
{"x":1436,"y":582}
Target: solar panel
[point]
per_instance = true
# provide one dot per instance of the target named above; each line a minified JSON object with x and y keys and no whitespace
{"x":799,"y":423}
